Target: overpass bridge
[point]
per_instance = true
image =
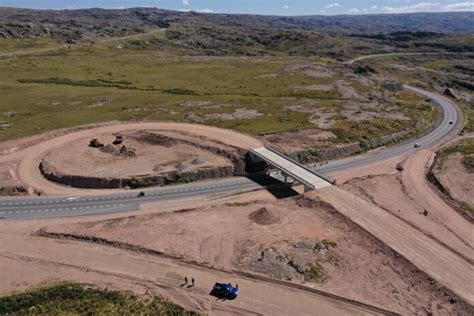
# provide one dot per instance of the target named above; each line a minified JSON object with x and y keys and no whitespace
{"x":311,"y":179}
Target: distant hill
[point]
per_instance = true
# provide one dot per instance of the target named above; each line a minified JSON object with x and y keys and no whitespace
{"x":74,"y":24}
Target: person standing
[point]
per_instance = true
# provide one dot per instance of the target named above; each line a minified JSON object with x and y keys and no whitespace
{"x":185,"y":280}
{"x":192,"y":281}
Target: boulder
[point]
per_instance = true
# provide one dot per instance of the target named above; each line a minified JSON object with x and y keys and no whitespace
{"x":392,"y":86}
{"x":450,"y":93}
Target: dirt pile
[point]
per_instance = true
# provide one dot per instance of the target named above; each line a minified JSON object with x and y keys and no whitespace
{"x":13,"y":190}
{"x":263,"y":216}
{"x":119,"y":151}
{"x":127,"y":152}
{"x":154,"y":139}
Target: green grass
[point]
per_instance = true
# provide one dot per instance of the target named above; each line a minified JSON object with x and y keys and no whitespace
{"x":99,"y":83}
{"x":438,"y":64}
{"x":468,"y":110}
{"x":315,"y":273}
{"x":83,"y":83}
{"x":8,"y":46}
{"x":75,"y":299}
{"x":466,"y":148}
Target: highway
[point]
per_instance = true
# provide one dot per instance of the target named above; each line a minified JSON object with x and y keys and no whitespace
{"x":46,"y":207}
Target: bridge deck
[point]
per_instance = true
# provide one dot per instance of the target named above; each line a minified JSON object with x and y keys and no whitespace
{"x":291,"y":168}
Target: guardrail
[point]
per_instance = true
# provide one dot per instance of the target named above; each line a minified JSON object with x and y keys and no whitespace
{"x":303,"y":181}
{"x":324,"y":177}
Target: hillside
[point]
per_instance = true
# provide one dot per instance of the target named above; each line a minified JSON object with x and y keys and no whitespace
{"x":75,"y":24}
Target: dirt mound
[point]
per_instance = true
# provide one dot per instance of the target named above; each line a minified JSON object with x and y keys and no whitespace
{"x":182,"y":166}
{"x":110,"y":149}
{"x":263,"y":216}
{"x":158,"y":168}
{"x":122,"y":151}
{"x":197,"y":161}
{"x":154,"y":138}
{"x":127,"y":151}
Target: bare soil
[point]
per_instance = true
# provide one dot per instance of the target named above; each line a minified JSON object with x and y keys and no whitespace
{"x":238,"y":114}
{"x":375,"y":188}
{"x":348,"y":92}
{"x":292,"y":141}
{"x":324,"y":118}
{"x":456,"y":179}
{"x":298,"y":234}
{"x":77,"y":158}
{"x":28,"y":153}
{"x":314,"y":87}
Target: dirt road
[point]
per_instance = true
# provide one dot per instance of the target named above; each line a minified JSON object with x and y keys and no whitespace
{"x":421,"y":191}
{"x":27,"y":260}
{"x":428,"y":255}
{"x":403,"y":54}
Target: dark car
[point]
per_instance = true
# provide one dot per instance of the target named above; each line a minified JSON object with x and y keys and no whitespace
{"x":141,"y":194}
{"x":451,"y":122}
{"x":225,"y":291}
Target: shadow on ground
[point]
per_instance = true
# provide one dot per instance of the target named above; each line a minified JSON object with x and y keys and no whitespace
{"x":278,"y":189}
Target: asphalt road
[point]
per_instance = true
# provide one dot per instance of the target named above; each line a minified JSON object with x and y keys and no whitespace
{"x":39,"y":207}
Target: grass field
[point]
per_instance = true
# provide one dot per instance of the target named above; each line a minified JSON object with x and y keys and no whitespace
{"x":76,"y":299}
{"x":103,"y":82}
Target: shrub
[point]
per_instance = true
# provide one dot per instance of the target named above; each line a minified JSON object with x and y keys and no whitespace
{"x":316,"y":273}
{"x":179,"y":91}
{"x":71,"y":299}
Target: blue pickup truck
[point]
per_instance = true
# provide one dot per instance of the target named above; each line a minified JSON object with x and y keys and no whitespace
{"x":225,"y":291}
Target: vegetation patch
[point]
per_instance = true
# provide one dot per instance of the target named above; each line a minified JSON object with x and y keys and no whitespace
{"x":466,"y":148}
{"x":84,"y":83}
{"x":179,"y":91}
{"x":222,"y":87}
{"x":315,"y":273}
{"x":70,"y":298}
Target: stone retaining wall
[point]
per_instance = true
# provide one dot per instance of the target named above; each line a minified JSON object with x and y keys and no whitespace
{"x":88,"y":182}
{"x":316,"y":155}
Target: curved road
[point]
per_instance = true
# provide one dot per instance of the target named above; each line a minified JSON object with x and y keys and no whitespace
{"x":28,"y":208}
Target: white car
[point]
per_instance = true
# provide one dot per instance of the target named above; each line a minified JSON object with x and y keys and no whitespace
{"x":417,"y":145}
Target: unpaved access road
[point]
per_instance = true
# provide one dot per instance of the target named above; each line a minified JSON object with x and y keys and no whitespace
{"x":403,"y":54}
{"x":427,"y":254}
{"x":26,"y":260}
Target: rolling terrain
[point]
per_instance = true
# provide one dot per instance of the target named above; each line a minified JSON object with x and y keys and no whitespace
{"x":97,"y":105}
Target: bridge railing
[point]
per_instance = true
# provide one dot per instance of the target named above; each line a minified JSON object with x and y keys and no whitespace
{"x":286,"y":171}
{"x":324,"y":177}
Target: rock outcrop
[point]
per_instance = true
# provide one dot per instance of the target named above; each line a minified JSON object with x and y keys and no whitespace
{"x":88,"y":182}
{"x":315,"y":155}
{"x":450,"y":93}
